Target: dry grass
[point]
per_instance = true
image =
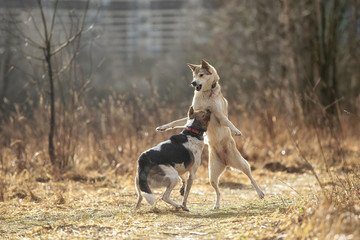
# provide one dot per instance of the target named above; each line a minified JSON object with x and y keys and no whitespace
{"x":106,"y":210}
{"x":90,"y":193}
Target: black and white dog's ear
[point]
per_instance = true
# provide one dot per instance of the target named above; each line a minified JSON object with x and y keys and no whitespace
{"x":191,"y":111}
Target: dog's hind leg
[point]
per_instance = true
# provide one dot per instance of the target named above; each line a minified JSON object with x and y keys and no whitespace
{"x":216,"y":168}
{"x":138,"y":201}
{"x":188,"y":186}
{"x":138,"y":191}
{"x":182,"y":188}
{"x":171,"y":178}
{"x":237,"y":161}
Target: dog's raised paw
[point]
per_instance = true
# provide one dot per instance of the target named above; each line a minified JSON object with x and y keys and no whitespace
{"x":160,"y":129}
{"x":238,"y":133}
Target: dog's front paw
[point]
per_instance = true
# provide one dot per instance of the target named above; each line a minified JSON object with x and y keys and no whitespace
{"x":185,"y":208}
{"x":237,"y":132}
{"x":161,"y":128}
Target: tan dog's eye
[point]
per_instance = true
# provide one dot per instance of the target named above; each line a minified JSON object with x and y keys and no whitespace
{"x":201,"y":75}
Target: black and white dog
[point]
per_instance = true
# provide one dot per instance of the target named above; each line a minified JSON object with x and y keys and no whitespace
{"x":162,"y":165}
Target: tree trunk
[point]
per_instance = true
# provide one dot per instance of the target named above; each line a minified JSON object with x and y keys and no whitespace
{"x":329,"y":23}
{"x":52,"y":104}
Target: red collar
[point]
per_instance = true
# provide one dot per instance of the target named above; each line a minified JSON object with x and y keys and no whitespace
{"x":194,"y":130}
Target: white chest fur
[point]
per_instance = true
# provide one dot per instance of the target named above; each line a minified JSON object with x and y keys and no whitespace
{"x":196,"y":146}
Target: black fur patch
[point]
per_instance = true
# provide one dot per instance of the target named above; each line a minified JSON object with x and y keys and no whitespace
{"x":170,"y":153}
{"x":195,"y":125}
{"x":178,"y":139}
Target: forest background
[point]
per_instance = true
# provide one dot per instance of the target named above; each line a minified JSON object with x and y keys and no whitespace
{"x":83,"y":85}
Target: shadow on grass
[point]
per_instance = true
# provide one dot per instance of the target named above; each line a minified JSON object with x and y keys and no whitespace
{"x":246,"y":209}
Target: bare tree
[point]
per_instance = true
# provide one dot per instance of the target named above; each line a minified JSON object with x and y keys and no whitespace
{"x":54,"y":56}
{"x":330,"y":15}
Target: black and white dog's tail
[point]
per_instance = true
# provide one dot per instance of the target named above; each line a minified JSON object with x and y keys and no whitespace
{"x":144,"y":167}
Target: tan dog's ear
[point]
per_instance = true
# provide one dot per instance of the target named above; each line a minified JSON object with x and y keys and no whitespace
{"x":190,"y":112}
{"x":192,"y":66}
{"x":205,"y":65}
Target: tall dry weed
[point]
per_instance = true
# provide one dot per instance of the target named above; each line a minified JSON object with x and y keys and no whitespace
{"x":335,"y":213}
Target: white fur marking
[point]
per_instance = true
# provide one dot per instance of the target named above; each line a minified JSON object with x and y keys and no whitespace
{"x":196,"y":146}
{"x":206,"y":139}
{"x":189,"y":122}
{"x":149,"y":197}
{"x":158,"y":147}
{"x":169,"y":171}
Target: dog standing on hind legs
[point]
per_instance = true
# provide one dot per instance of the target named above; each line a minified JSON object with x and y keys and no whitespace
{"x":162,"y":165}
{"x":222,"y":147}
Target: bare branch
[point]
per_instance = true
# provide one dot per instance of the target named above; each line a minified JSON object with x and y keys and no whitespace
{"x":66,"y":65}
{"x":304,"y":158}
{"x":36,"y":27}
{"x":333,"y":103}
{"x":21,"y":35}
{"x":31,"y":57}
{"x":65,"y":44}
{"x":75,"y":36}
{"x":25,"y":73}
{"x":53,"y":20}
{"x":44,"y":21}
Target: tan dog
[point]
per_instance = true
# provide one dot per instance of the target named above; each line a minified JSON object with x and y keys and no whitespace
{"x":222,"y":147}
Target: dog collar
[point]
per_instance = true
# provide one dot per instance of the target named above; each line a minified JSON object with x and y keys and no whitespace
{"x":198,"y":132}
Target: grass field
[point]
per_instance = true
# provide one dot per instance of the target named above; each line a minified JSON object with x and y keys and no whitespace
{"x":310,"y":178}
{"x":105,"y":209}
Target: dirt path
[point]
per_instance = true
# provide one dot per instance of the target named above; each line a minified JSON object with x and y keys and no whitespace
{"x":105,"y":210}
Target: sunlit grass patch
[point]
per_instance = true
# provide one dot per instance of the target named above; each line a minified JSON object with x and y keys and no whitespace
{"x":108,"y":216}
